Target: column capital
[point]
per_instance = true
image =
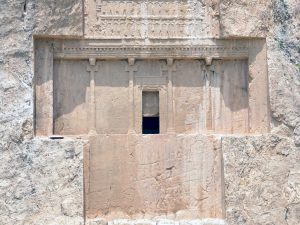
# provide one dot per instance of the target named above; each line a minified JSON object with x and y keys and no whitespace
{"x":131,"y":61}
{"x":92,"y":61}
{"x":208,"y":61}
{"x":170,"y":61}
{"x":169,"y":66}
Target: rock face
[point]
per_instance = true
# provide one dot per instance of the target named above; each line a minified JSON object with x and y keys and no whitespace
{"x":262,"y":173}
{"x":278,"y":21}
{"x":41,"y":180}
{"x":261,"y":180}
{"x":41,"y":183}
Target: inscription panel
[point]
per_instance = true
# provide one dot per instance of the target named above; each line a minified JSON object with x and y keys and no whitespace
{"x":149,"y":19}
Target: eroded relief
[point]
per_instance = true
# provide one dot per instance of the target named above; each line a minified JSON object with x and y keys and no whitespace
{"x":151,"y":19}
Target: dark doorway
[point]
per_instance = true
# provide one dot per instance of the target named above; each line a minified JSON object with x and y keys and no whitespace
{"x":150,"y":125}
{"x":150,"y":111}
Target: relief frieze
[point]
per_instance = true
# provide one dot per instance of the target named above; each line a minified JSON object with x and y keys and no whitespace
{"x":150,"y":19}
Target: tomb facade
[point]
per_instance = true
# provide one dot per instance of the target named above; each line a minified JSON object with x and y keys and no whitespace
{"x":157,"y":61}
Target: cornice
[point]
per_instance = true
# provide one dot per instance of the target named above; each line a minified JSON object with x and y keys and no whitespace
{"x":84,"y":51}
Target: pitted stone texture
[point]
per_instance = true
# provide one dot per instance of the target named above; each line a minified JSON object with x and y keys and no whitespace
{"x":261,"y":180}
{"x":96,"y":221}
{"x":31,"y":169}
{"x":20,"y":20}
{"x":41,"y":183}
{"x":65,"y":17}
{"x":99,"y":221}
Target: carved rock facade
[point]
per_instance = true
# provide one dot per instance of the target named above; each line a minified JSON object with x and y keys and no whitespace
{"x":106,"y":53}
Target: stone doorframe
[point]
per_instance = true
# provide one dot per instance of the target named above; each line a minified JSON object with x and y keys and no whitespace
{"x":162,"y":106}
{"x":48,"y":49}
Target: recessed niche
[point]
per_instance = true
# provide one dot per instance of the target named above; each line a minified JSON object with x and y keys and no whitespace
{"x":78,"y":95}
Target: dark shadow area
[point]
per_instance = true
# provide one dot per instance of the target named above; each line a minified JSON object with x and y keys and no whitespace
{"x":70,"y":83}
{"x":150,"y":125}
{"x":231,"y":78}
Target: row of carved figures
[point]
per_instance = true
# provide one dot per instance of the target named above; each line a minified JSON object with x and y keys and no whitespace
{"x":152,"y":28}
{"x":151,"y":8}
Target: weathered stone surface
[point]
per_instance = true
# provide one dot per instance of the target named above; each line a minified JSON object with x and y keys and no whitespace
{"x":63,"y":17}
{"x":261,"y":180}
{"x":99,"y":221}
{"x":20,"y":20}
{"x":152,"y":19}
{"x":277,"y":20}
{"x":44,"y":185}
{"x":262,"y":173}
{"x":264,"y":195}
{"x":36,"y":176}
{"x":156,"y":175}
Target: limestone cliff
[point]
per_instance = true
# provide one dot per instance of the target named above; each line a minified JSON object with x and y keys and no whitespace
{"x":41,"y":181}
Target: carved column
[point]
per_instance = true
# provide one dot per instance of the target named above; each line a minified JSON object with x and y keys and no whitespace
{"x":131,"y":68}
{"x":209,"y":110}
{"x":92,"y":68}
{"x":170,"y":68}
